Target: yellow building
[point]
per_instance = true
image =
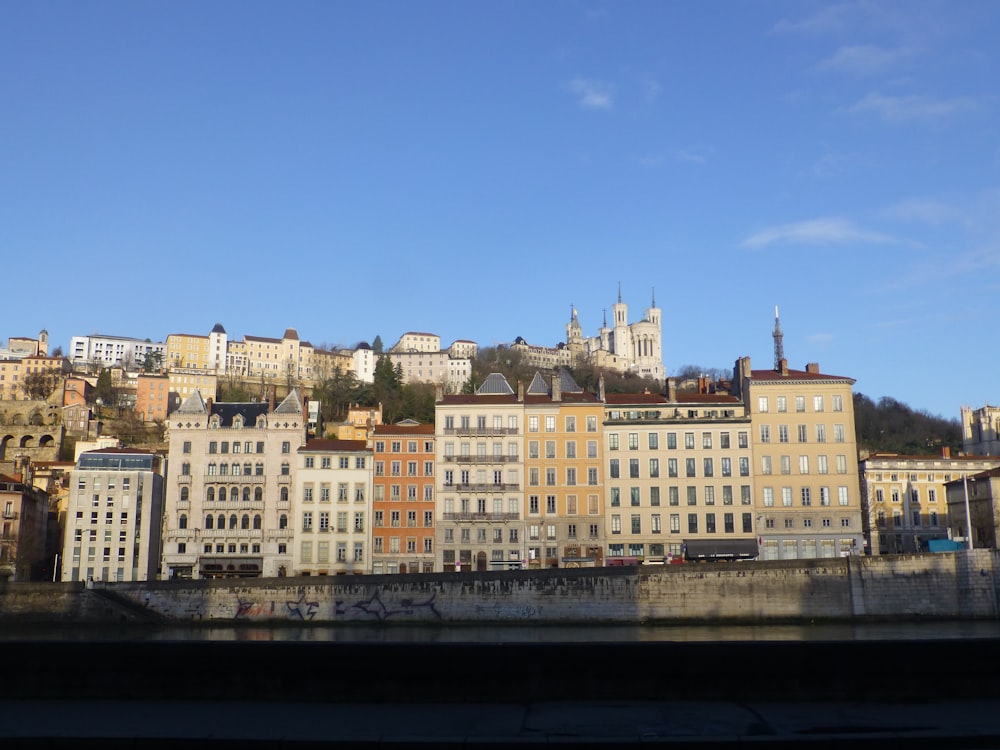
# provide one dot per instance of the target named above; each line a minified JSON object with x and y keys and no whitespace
{"x":563,"y":507}
{"x":187,"y":351}
{"x":807,"y":495}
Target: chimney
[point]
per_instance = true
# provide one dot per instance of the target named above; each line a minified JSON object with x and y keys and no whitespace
{"x":783,"y":367}
{"x":600,"y":388}
{"x":672,"y":390}
{"x":556,"y":388}
{"x":813,"y":367}
{"x":438,"y":393}
{"x":945,"y":451}
{"x":520,"y":392}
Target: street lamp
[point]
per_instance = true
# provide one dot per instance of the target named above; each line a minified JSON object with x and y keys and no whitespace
{"x":968,"y":515}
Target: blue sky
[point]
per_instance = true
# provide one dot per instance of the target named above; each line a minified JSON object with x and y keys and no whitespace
{"x":475,"y":168}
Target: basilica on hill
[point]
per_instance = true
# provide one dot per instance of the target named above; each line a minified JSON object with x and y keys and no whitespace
{"x":621,"y":347}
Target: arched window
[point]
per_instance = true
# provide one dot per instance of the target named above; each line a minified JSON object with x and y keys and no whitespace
{"x":223,"y":469}
{"x":258,"y":494}
{"x":211,"y":469}
{"x":247,"y":469}
{"x":210,"y":494}
{"x":234,"y":495}
{"x":182,"y":522}
{"x":185,"y":494}
{"x":185,"y":469}
{"x":258,"y":469}
{"x":246,"y":494}
{"x":209,"y":521}
{"x":283,"y":496}
{"x":256,"y":521}
{"x":236,"y":470}
{"x":285,"y":468}
{"x":245,"y":521}
{"x":222,"y":522}
{"x":232,"y":521}
{"x":282,"y":521}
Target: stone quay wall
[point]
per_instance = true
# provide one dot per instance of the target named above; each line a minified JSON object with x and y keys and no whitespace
{"x":959,"y":585}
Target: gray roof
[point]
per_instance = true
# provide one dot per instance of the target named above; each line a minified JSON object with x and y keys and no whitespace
{"x":538,"y":386}
{"x":291,"y":404}
{"x":193,"y":404}
{"x":495,"y":385}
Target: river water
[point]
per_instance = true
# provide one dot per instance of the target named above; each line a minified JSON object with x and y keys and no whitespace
{"x":934,"y":630}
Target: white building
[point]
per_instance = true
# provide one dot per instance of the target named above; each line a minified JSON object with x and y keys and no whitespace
{"x":112,"y":351}
{"x":229,"y":488}
{"x":439,"y":368}
{"x":333,"y":510}
{"x":114,"y":516}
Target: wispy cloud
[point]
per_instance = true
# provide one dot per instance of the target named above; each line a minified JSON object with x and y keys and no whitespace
{"x":830,"y":164}
{"x":825,"y":20}
{"x":819,"y":338}
{"x":650,"y":89}
{"x":930,"y":212}
{"x":908,"y":108}
{"x":692,"y":156}
{"x":864,"y":59}
{"x":816,"y":232}
{"x":592,"y":94}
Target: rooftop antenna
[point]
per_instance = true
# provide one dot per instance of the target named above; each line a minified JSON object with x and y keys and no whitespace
{"x":779,"y":348}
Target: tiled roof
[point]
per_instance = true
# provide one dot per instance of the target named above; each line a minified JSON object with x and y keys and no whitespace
{"x":326,"y":445}
{"x":473,"y":398}
{"x":291,"y":404}
{"x":193,"y":404}
{"x":494,"y":385}
{"x":775,"y":375}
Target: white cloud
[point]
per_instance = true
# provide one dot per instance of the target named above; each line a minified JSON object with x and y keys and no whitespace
{"x":650,"y":162}
{"x":592,"y":94}
{"x":930,"y":212}
{"x":816,"y":232}
{"x":827,"y":19}
{"x":692,"y":156}
{"x":864,"y":59}
{"x":819,"y":338}
{"x":907,"y":108}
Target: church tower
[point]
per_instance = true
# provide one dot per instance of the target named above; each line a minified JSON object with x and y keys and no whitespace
{"x":574,"y":334}
{"x":620,"y":343}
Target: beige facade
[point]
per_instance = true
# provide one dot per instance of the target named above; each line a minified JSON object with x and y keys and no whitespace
{"x":114,"y":515}
{"x":333,"y":508}
{"x":981,"y":430}
{"x":904,"y":498}
{"x":807,"y":496}
{"x":974,"y":504}
{"x":187,"y":352}
{"x":417,"y":341}
{"x":24,"y":513}
{"x":679,"y":477}
{"x":229,"y":488}
{"x":437,"y":367}
{"x":479,"y":449}
{"x":185,"y":383}
{"x":463,"y":349}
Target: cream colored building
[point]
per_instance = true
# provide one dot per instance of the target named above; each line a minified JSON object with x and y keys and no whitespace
{"x":479,"y":446}
{"x":417,"y":341}
{"x":184,"y":383}
{"x":438,"y":368}
{"x":807,"y":496}
{"x":333,"y":508}
{"x":626,"y":347}
{"x":188,"y":352}
{"x":269,"y":358}
{"x":974,"y":503}
{"x":564,"y":504}
{"x":229,"y":488}
{"x":679,"y":477}
{"x":904,"y":498}
{"x":463,"y":349}
{"x":114,"y":516}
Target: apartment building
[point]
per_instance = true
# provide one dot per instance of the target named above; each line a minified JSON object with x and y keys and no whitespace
{"x":97,"y":351}
{"x":114,"y":516}
{"x":152,"y":396}
{"x":974,"y":508}
{"x":417,"y":341}
{"x":904,"y":498}
{"x":403,"y":520}
{"x":229,"y":488}
{"x":24,"y":512}
{"x":564,"y":505}
{"x":679,"y":477}
{"x":981,"y":430}
{"x":439,"y":368}
{"x":17,"y":371}
{"x":479,"y":445}
{"x":807,"y":493}
{"x":334,"y":488}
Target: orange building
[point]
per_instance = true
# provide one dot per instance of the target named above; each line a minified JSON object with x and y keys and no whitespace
{"x":403,"y":504}
{"x":152,"y":396}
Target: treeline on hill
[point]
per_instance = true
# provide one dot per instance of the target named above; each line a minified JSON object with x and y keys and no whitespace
{"x":888,"y":425}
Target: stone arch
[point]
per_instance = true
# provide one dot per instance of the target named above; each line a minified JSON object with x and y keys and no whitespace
{"x":35,"y":419}
{"x":3,"y":445}
{"x":26,"y":441}
{"x":46,"y":441}
{"x":17,"y":420}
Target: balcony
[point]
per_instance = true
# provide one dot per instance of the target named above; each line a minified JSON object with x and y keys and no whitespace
{"x":236,"y":478}
{"x":480,"y":459}
{"x":10,"y":514}
{"x":184,"y":479}
{"x":481,"y":432}
{"x":483,"y":487}
{"x":504,"y":517}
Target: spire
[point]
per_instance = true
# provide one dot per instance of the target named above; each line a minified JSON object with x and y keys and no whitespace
{"x":654,"y":297}
{"x":779,"y":349}
{"x":605,"y":310}
{"x":619,"y":292}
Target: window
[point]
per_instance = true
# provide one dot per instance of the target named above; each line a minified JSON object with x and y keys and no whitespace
{"x":744,"y":466}
{"x":841,"y":464}
{"x":822,"y":465}
{"x":532,"y":424}
{"x":653,"y":441}
{"x":768,"y":497}
{"x":708,"y":467}
{"x":654,"y":468}
{"x":550,"y":423}
{"x":743,"y":439}
{"x":633,"y":468}
{"x":636,"y":523}
{"x":782,"y":403}
{"x":842,"y":496}
{"x":616,"y":497}
{"x":786,"y":497}
{"x":689,"y":467}
{"x":692,"y":495}
{"x":817,"y":403}
{"x":633,"y":441}
{"x":613,"y":469}
{"x":307,"y":521}
{"x":613,"y":441}
{"x":706,"y":440}
{"x":821,"y":433}
{"x":762,"y":404}
{"x":635,"y":496}
{"x":675,"y":523}
{"x":692,"y":523}
{"x":671,"y":441}
{"x":689,"y":440}
{"x":286,"y":447}
{"x":709,"y":523}
{"x":802,"y":433}
{"x":673,"y":495}
{"x":765,"y":433}
{"x":616,"y":524}
{"x":806,"y":496}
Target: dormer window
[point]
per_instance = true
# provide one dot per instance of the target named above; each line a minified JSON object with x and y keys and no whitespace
{"x":238,"y":422}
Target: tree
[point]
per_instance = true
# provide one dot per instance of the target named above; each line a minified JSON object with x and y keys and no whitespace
{"x":40,"y":385}
{"x":377,"y":345}
{"x":152,"y":362}
{"x":387,"y":388}
{"x":105,"y":390}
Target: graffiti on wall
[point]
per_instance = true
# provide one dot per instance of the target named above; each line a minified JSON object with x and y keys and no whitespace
{"x":508,"y":612}
{"x":378,"y":609}
{"x":301,"y":608}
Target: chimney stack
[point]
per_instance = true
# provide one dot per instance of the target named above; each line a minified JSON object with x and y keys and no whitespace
{"x":520,"y":392}
{"x":813,"y":367}
{"x":783,"y":367}
{"x":945,"y":451}
{"x":600,"y":388}
{"x":556,"y":388}
{"x":672,"y":390}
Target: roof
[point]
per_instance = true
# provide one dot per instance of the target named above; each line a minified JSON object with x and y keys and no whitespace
{"x":193,"y":404}
{"x":404,"y":429}
{"x":419,"y":333}
{"x":473,"y":398}
{"x":126,"y":451}
{"x":291,"y":404}
{"x":290,"y":333}
{"x":495,"y":385}
{"x":635,"y":398}
{"x":775,"y":375}
{"x":217,"y":328}
{"x":227,"y":411}
{"x":325,"y":445}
